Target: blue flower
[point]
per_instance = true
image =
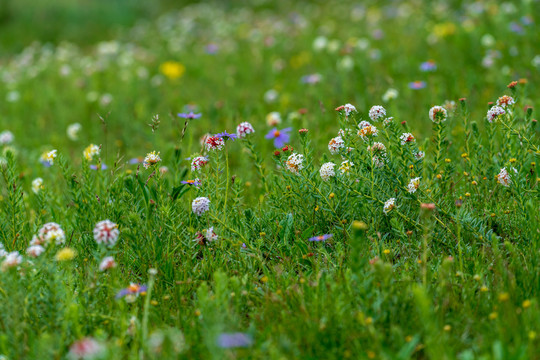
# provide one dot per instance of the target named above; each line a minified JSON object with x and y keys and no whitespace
{"x":321,"y":237}
{"x":189,"y":115}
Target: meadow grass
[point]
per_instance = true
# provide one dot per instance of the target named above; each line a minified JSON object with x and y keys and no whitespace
{"x":308,"y":180}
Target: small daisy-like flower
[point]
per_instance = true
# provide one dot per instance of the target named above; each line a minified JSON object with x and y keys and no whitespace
{"x":345,"y":167}
{"x":85,"y":349}
{"x":226,"y":136}
{"x":6,"y":137}
{"x":377,"y":112}
{"x":494,"y":113}
{"x":73,"y":131}
{"x":419,"y":155}
{"x":407,"y":138}
{"x":106,"y":232}
{"x":505,"y":101}
{"x":273,"y":118}
{"x":390,"y":94}
{"x":131,"y":292}
{"x":413,"y":185}
{"x":35,"y":250}
{"x":107,"y":263}
{"x":417,"y":85}
{"x":244,"y":129}
{"x":437,"y":114}
{"x":336,"y":144}
{"x":429,"y":65}
{"x":311,"y":79}
{"x":189,"y":115}
{"x":295,"y":163}
{"x":504,"y":178}
{"x":327,"y":171}
{"x":389,"y":205}
{"x":281,"y":137}
{"x":198,"y":163}
{"x":321,"y":237}
{"x":11,"y":260}
{"x":214,"y":143}
{"x":91,"y":151}
{"x":47,"y":158}
{"x":151,"y":159}
{"x":50,"y":233}
{"x":347,"y":109}
{"x":200,"y":205}
{"x":367,"y":130}
{"x":37,"y":185}
{"x":195,"y":182}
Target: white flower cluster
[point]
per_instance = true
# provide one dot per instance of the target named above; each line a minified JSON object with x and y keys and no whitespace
{"x":413,"y":185}
{"x":327,"y":171}
{"x":209,"y":234}
{"x":389,"y":205}
{"x":151,"y":159}
{"x":505,"y":101}
{"x":200,"y":205}
{"x":295,"y":163}
{"x":367,"y":130}
{"x":504,"y":177}
{"x":494,"y":113}
{"x":11,"y":260}
{"x":407,"y":138}
{"x":106,"y":232}
{"x":379,"y":153}
{"x":6,"y":137}
{"x":91,"y":151}
{"x":335,"y":145}
{"x":377,"y":112}
{"x":198,"y":162}
{"x":48,"y":234}
{"x":244,"y":129}
{"x":37,"y":185}
{"x":438,"y":114}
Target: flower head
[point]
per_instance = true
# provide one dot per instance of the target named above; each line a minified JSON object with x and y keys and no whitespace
{"x":437,"y":114}
{"x":11,"y":260}
{"x":345,"y":167}
{"x":6,"y":137}
{"x":321,"y":237}
{"x":413,"y":185}
{"x":65,"y":254}
{"x":37,"y":185}
{"x":226,"y":136}
{"x":347,"y":109}
{"x":85,"y":349}
{"x":233,"y":340}
{"x":407,"y":138}
{"x":273,"y":118}
{"x":494,"y":113}
{"x":107,"y":263}
{"x":72,"y":131}
{"x":198,"y":163}
{"x":505,"y":101}
{"x":190,"y":115}
{"x":244,"y":129}
{"x":280,"y":136}
{"x":35,"y":250}
{"x":294,"y":163}
{"x":327,"y":171}
{"x":106,"y":232}
{"x":336,"y":144}
{"x":429,"y":65}
{"x":131,"y":292}
{"x":200,"y":205}
{"x":389,"y":205}
{"x":151,"y":159}
{"x":172,"y":69}
{"x":48,"y":234}
{"x":91,"y":151}
{"x":377,"y":112}
{"x":195,"y":182}
{"x":417,"y":85}
{"x":504,"y":178}
{"x":207,"y":235}
{"x":367,"y":130}
{"x":214,"y":143}
{"x":47,"y":158}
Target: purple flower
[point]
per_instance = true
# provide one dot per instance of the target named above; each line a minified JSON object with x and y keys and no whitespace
{"x":321,"y":237}
{"x":280,"y":136}
{"x":195,"y":182}
{"x":429,"y":65}
{"x":189,"y":115}
{"x":311,"y":79}
{"x":232,"y":340}
{"x":417,"y":85}
{"x":132,"y":289}
{"x":226,"y":136}
{"x":101,"y":167}
{"x":515,"y":27}
{"x":212,"y":49}
{"x":527,"y":20}
{"x":137,"y":160}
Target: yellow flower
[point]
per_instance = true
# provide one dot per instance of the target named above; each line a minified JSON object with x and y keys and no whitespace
{"x":526,"y":304}
{"x":172,"y":69}
{"x":65,"y":254}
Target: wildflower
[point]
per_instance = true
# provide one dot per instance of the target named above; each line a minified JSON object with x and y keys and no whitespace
{"x":172,"y":69}
{"x":366,"y":129}
{"x":47,"y":158}
{"x":226,"y":136}
{"x":419,"y":155}
{"x":244,"y":129}
{"x":35,"y":250}
{"x":198,"y":163}
{"x":65,"y":254}
{"x":494,"y":113}
{"x":417,"y":85}
{"x":505,"y":101}
{"x":429,"y":65}
{"x":98,"y":167}
{"x":189,"y":115}
{"x":345,"y":167}
{"x":91,"y":151}
{"x":131,"y":292}
{"x":151,"y":159}
{"x":413,"y":185}
{"x":234,"y":340}
{"x":407,"y":138}
{"x":504,"y":178}
{"x":195,"y":182}
{"x":37,"y":185}
{"x":207,"y":235}
{"x":280,"y":136}
{"x":214,"y":143}
{"x":427,"y":206}
{"x":137,"y":160}
{"x":270,"y":96}
{"x":273,"y":118}
{"x":327,"y":171}
{"x":6,"y":137}
{"x":107,"y":263}
{"x":86,"y":348}
{"x":11,"y":260}
{"x":390,"y":94}
{"x":377,"y":149}
{"x":437,"y":114}
{"x":48,"y":234}
{"x":336,"y":144}
{"x":303,"y":132}
{"x":321,"y":237}
{"x":311,"y":79}
{"x":389,"y":205}
{"x":377,"y":112}
{"x":200,"y":205}
{"x":294,"y":163}
{"x":347,"y":108}
{"x":106,"y":232}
